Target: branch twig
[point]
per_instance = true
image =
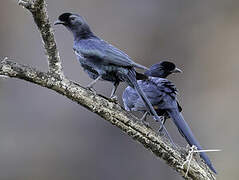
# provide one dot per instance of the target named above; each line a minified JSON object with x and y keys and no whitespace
{"x":40,"y":16}
{"x":110,"y":111}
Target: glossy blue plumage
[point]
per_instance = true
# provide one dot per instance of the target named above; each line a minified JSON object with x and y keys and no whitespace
{"x":99,"y":59}
{"x":162,"y":94}
{"x":102,"y":60}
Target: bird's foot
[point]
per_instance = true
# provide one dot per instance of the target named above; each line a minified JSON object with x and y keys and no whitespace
{"x":90,"y":86}
{"x":161,"y":132}
{"x":160,"y":129}
{"x":161,"y":118}
{"x":91,"y":89}
{"x":114,"y":99}
{"x":164,"y":132}
{"x":144,"y":118}
{"x":145,"y":123}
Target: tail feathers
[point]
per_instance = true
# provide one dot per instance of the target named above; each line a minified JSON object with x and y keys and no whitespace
{"x":187,"y":133}
{"x":140,"y":76}
{"x":140,"y":66}
{"x":131,"y":76}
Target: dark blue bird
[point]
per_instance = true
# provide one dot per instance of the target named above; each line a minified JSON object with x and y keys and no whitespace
{"x":163,"y":96}
{"x":99,"y":59}
{"x":162,"y":70}
{"x":130,"y":97}
{"x":103,"y":61}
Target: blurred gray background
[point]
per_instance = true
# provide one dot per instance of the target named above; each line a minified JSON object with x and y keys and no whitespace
{"x":45,"y":136}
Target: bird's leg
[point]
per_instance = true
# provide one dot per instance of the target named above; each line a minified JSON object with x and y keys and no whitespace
{"x":90,"y":86}
{"x":163,"y":120}
{"x":166,"y":133}
{"x":144,"y":118}
{"x":93,"y":82}
{"x":112,"y":95}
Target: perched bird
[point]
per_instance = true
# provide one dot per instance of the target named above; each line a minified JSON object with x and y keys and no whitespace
{"x":99,"y":59}
{"x":103,"y":61}
{"x":163,"y":96}
{"x":130,"y":97}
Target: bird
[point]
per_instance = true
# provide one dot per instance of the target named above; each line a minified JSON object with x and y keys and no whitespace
{"x":162,"y":94}
{"x":102,"y":60}
{"x":161,"y":70}
{"x":99,"y":59}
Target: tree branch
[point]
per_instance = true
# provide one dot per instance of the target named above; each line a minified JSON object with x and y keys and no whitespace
{"x":40,"y":16}
{"x":108,"y":110}
{"x":111,"y":112}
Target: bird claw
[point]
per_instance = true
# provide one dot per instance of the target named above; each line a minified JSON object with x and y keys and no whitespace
{"x":114,"y":99}
{"x":160,"y":129}
{"x":161,"y":132}
{"x":91,"y":89}
{"x":145,"y":123}
{"x":90,"y":86}
{"x":144,"y":118}
{"x":161,"y":118}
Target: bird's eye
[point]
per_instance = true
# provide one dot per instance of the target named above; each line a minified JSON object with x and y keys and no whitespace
{"x":72,"y":18}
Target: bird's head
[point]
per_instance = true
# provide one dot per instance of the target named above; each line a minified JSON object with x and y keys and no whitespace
{"x":162,"y":69}
{"x":74,"y":23}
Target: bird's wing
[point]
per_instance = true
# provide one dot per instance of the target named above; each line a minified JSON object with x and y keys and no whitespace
{"x":134,"y":103}
{"x":152,"y":91}
{"x":165,"y":86}
{"x":102,"y":51}
{"x":129,"y":97}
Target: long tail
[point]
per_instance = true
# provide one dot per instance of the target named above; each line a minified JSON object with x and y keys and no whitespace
{"x":131,"y":77}
{"x":187,"y":133}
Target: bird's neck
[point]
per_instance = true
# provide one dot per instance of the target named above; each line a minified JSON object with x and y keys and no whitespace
{"x":85,"y":33}
{"x":153,"y":73}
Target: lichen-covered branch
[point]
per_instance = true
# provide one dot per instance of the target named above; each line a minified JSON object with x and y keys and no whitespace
{"x":40,"y":16}
{"x":111,"y":112}
{"x":108,"y":110}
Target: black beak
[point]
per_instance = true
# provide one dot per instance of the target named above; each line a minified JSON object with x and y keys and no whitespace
{"x":177,"y":70}
{"x":59,"y":22}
